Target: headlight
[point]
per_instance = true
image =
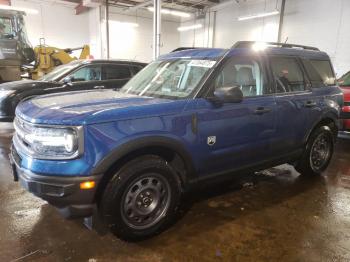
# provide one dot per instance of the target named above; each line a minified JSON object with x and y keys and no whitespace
{"x":50,"y":142}
{"x":53,"y":142}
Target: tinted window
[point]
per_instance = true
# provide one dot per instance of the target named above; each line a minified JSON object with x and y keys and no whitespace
{"x":320,"y":72}
{"x":87,"y":73}
{"x":288,"y":75}
{"x":115,"y":72}
{"x":137,"y":69}
{"x":245,"y":73}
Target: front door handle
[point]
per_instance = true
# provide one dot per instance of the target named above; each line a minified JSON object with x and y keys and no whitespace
{"x":99,"y":87}
{"x":262,"y":110}
{"x":310,"y":103}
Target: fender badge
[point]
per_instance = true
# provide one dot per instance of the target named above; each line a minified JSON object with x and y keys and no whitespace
{"x":211,"y":140}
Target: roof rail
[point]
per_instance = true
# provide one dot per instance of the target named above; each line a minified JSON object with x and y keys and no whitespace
{"x":183,"y":48}
{"x":245,"y":44}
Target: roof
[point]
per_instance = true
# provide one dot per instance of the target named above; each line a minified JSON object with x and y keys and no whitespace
{"x":215,"y":53}
{"x":108,"y":61}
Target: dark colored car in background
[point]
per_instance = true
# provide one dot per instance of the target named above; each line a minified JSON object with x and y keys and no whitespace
{"x":75,"y":76}
{"x":344,"y":84}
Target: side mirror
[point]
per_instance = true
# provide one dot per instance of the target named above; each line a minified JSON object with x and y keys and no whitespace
{"x":229,"y":94}
{"x":68,"y":80}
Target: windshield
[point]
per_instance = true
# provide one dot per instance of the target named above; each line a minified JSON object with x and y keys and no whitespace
{"x":174,"y":79}
{"x":58,"y":72}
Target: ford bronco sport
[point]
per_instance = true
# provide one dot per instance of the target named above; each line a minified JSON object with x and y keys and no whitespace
{"x":190,"y":116}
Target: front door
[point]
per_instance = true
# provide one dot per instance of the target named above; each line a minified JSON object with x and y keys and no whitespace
{"x":236,"y":135}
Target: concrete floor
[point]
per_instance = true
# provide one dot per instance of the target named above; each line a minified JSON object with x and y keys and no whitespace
{"x":266,"y":217}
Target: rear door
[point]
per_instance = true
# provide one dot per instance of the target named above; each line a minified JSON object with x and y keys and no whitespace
{"x":294,"y":99}
{"x":320,"y":74}
{"x":115,"y":76}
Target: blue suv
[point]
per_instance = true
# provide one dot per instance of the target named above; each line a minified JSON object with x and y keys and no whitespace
{"x":191,"y":116}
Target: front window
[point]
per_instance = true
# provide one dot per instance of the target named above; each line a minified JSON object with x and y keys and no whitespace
{"x":6,"y":28}
{"x":87,"y":73}
{"x":245,"y":73}
{"x":174,"y":79}
{"x":58,"y":72}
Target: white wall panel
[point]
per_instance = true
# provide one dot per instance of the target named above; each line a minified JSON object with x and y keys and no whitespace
{"x":321,"y":23}
{"x":136,"y":42}
{"x":56,"y":22}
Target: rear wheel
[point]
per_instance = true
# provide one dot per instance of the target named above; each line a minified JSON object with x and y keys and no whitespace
{"x":318,"y":152}
{"x":141,"y":199}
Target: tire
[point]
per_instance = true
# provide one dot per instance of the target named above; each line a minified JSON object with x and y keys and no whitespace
{"x":142,"y":198}
{"x":318,"y":152}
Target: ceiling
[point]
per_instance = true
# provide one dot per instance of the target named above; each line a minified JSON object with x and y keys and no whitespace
{"x":191,"y":6}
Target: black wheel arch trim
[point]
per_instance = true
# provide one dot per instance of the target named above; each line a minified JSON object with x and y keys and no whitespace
{"x":143,"y":143}
{"x":331,"y":115}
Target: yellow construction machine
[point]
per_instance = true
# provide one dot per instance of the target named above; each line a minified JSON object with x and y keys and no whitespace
{"x":18,"y":58}
{"x":48,"y":57}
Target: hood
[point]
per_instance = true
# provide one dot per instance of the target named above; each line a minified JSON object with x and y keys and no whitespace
{"x":79,"y":108}
{"x":27,"y":84}
{"x":346,"y":92}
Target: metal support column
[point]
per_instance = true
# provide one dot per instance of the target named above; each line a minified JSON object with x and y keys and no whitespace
{"x":280,"y":25}
{"x":107,"y":28}
{"x":156,"y":28}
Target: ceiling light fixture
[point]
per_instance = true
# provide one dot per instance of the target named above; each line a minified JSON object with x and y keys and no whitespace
{"x":171,"y":12}
{"x":242,"y":18}
{"x":26,"y":10}
{"x":190,"y":27}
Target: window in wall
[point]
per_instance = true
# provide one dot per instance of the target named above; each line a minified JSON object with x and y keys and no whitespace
{"x":87,"y":73}
{"x":288,"y":74}
{"x":246,"y":73}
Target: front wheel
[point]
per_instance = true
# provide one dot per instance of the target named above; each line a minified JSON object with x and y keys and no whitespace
{"x":318,"y":152}
{"x":141,"y":199}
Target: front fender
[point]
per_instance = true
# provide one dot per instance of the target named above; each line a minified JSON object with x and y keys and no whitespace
{"x":144,"y":142}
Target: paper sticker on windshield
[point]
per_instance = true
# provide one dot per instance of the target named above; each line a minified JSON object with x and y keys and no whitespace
{"x":202,"y":63}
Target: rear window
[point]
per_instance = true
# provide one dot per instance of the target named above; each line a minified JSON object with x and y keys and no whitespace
{"x":137,"y":69}
{"x":320,"y":72}
{"x":288,"y":75}
{"x":116,"y":72}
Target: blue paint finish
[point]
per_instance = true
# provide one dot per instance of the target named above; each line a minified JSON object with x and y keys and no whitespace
{"x":199,"y":53}
{"x":112,"y":119}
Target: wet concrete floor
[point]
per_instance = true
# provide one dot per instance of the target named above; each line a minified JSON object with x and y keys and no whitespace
{"x":274,"y":215}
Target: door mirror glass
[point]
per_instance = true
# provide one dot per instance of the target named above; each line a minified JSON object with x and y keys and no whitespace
{"x":68,"y":80}
{"x":229,"y":94}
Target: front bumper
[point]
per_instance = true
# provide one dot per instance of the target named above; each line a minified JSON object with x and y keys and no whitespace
{"x":62,"y":192}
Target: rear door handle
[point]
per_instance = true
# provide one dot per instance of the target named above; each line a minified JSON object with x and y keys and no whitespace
{"x":262,"y":110}
{"x":99,"y":87}
{"x":310,"y":104}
